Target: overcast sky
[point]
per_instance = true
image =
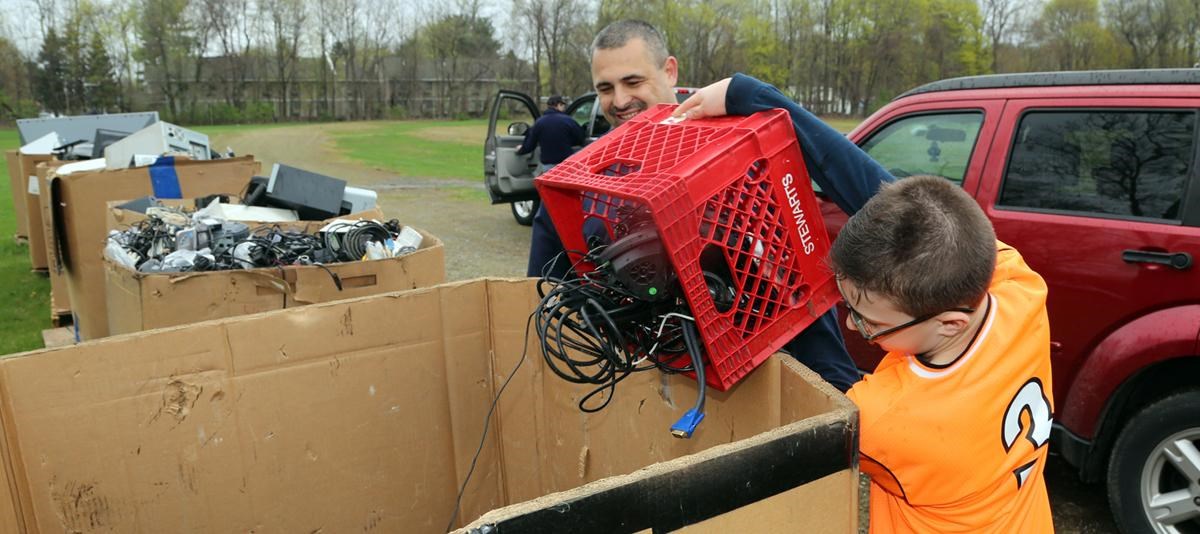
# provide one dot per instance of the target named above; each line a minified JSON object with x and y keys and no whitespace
{"x":18,"y":22}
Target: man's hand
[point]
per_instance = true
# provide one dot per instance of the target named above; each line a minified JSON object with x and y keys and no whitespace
{"x":707,"y":102}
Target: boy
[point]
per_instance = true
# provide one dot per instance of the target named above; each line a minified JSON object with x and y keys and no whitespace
{"x":956,"y":418}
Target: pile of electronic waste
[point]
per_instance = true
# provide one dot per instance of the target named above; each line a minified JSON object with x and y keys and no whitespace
{"x":172,"y":239}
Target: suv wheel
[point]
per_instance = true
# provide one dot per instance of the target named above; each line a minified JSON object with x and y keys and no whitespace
{"x":1154,"y":470}
{"x":524,"y":211}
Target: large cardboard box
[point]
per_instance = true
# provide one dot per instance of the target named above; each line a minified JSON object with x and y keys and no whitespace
{"x":15,"y":183}
{"x":365,"y":416}
{"x":78,"y":204}
{"x":60,"y":298}
{"x":33,"y":215}
{"x":138,"y":301}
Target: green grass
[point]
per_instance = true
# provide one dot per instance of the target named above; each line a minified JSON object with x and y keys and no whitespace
{"x":840,"y":124}
{"x":426,"y":149}
{"x":25,"y":310}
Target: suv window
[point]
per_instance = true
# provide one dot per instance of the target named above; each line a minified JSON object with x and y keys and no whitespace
{"x":938,"y":144}
{"x":583,"y":113}
{"x":1118,"y":163}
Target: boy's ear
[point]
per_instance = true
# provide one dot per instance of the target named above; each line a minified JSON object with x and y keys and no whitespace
{"x":952,"y":323}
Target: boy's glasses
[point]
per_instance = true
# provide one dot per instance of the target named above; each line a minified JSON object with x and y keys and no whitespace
{"x":861,"y":324}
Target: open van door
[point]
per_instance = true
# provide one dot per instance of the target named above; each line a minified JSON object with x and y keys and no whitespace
{"x":509,"y":177}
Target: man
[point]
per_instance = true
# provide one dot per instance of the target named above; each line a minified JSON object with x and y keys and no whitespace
{"x":632,"y":71}
{"x":556,"y":132}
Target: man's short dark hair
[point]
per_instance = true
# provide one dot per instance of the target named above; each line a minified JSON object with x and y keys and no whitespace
{"x":556,"y":100}
{"x":922,"y":242}
{"x":619,"y":33}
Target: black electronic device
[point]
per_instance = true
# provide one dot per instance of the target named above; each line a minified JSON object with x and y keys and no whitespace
{"x":256,"y":192}
{"x":105,"y":137}
{"x":313,"y":196}
{"x":640,"y":264}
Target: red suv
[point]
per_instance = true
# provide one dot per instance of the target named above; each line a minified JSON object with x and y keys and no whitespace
{"x":1093,"y":177}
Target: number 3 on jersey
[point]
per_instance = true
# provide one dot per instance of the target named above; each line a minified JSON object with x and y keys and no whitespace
{"x":1032,"y":398}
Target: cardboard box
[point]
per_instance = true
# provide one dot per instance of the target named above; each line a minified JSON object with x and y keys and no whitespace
{"x":60,"y":297}
{"x":364,"y":415}
{"x":33,"y":214}
{"x":13,"y":160}
{"x":23,"y":179}
{"x":78,"y":206}
{"x":138,"y":301}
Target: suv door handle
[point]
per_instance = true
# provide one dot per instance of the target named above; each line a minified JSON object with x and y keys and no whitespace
{"x":1177,"y":260}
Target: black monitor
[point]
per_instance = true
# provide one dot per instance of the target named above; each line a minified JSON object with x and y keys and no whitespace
{"x":105,"y":137}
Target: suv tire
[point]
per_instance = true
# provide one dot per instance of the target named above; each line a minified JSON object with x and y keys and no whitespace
{"x":1140,"y":471}
{"x":524,"y":211}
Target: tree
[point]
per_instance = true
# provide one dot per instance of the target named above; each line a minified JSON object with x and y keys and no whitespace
{"x":459,"y":45}
{"x":167,"y":41}
{"x":1156,"y":33}
{"x":1000,"y":18}
{"x":51,"y":71}
{"x":15,"y":90}
{"x":121,"y":26}
{"x":1071,"y":38}
{"x":74,"y":65}
{"x":101,"y":88}
{"x":230,"y":21}
{"x":287,"y":18}
{"x":954,"y":38}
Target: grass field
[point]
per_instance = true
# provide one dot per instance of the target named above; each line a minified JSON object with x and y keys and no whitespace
{"x":425,"y":149}
{"x":25,"y":310}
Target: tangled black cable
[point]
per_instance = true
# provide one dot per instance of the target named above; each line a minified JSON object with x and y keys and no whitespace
{"x":272,"y":246}
{"x":151,"y":235}
{"x":594,"y":332}
{"x":349,"y":240}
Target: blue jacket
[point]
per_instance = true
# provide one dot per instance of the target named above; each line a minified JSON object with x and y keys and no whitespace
{"x":556,"y":132}
{"x":843,"y":171}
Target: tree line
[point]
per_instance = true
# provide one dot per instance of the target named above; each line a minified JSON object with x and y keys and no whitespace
{"x":269,"y":60}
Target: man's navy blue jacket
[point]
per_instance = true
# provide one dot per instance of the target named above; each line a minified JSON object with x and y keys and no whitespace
{"x":843,"y":171}
{"x":557,"y":132}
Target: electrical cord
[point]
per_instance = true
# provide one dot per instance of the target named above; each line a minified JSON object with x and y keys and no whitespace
{"x":593,"y":331}
{"x":352,"y":243}
{"x":686,"y":425}
{"x":487,"y":422}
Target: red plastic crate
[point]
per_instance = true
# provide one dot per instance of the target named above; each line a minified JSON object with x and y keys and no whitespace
{"x":732,"y":188}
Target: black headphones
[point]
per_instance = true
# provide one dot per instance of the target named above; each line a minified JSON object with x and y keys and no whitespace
{"x":639,"y":262}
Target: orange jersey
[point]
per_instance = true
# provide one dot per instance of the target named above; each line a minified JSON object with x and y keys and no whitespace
{"x":962,"y":447}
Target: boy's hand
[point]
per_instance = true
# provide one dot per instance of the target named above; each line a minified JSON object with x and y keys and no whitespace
{"x":707,"y":102}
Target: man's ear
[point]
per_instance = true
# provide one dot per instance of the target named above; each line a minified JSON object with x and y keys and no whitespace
{"x":671,"y":67}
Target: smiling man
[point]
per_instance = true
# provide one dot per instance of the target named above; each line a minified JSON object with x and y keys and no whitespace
{"x":631,"y":72}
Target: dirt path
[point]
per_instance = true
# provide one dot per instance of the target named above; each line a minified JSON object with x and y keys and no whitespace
{"x":481,"y":239}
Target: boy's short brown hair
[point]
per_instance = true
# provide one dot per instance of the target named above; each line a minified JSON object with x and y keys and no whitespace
{"x":922,"y":242}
